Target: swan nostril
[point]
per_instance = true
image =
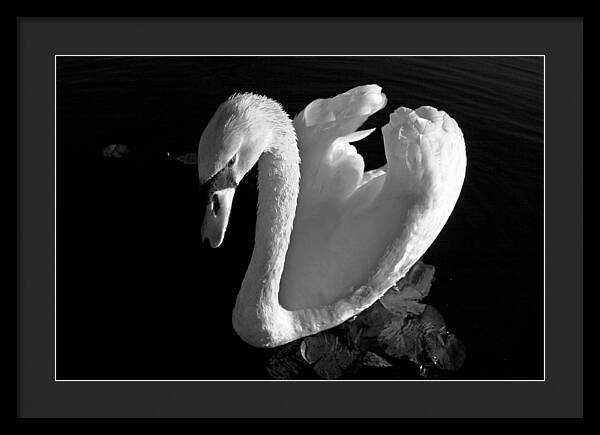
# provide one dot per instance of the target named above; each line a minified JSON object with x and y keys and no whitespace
{"x":216,"y":205}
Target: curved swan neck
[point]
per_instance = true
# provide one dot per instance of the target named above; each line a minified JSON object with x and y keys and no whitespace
{"x":278,"y":185}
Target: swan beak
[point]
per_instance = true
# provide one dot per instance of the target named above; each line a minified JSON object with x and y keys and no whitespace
{"x":216,"y":217}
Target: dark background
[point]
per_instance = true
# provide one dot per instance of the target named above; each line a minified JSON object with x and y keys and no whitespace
{"x":138,"y":295}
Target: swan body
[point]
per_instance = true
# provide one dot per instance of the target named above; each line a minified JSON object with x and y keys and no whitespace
{"x":330,"y":239}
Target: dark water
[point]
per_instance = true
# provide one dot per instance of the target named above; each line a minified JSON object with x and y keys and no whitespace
{"x":139,"y":296}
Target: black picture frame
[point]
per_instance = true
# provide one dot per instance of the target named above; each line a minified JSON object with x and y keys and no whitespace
{"x":559,"y":40}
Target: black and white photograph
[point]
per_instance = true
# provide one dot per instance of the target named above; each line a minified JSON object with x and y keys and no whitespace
{"x":299,"y":218}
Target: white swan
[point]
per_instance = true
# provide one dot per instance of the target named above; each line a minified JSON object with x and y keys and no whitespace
{"x":330,"y":239}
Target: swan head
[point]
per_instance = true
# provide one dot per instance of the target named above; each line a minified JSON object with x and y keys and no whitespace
{"x":231,"y":144}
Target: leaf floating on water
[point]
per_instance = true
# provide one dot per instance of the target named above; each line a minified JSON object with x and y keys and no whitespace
{"x":402,"y":307}
{"x":315,"y":347}
{"x":361,"y":333}
{"x":188,"y":159}
{"x":348,"y":360}
{"x":403,"y":339}
{"x":353,"y":332}
{"x":432,"y":319}
{"x":417,"y":282}
{"x":286,"y":363}
{"x":455,"y":354}
{"x":115,"y":150}
{"x":402,"y":298}
{"x":373,"y":320}
{"x":371,"y":359}
{"x":448,"y":352}
{"x":328,"y":368}
{"x":330,"y":356}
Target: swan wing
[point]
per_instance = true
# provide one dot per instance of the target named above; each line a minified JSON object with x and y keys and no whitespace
{"x":331,"y":167}
{"x":359,"y":233}
{"x":425,"y":151}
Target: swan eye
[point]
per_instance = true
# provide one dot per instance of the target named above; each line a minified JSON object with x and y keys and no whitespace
{"x":231,"y":162}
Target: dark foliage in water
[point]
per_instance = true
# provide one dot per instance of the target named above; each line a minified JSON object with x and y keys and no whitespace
{"x":115,"y":150}
{"x":396,"y":328}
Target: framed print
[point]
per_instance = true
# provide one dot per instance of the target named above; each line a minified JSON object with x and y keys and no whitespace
{"x":208,"y":220}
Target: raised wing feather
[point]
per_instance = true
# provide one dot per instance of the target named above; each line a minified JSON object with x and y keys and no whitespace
{"x":331,"y":168}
